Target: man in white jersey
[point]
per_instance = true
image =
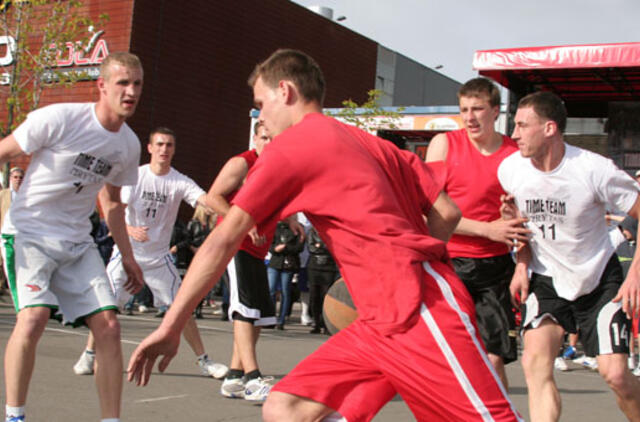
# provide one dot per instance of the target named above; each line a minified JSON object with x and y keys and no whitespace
{"x":576,"y":278}
{"x":152,"y":208}
{"x":79,"y":152}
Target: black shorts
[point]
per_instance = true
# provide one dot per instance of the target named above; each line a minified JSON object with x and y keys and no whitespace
{"x":604,"y":328}
{"x":249,"y":298}
{"x":487,"y":280}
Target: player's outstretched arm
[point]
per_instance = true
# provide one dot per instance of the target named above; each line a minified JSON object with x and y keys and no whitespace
{"x":443,"y":217}
{"x":629,"y":292}
{"x":9,"y":149}
{"x":230,"y":178}
{"x":206,"y":268}
{"x":204,"y":203}
{"x":113,"y":210}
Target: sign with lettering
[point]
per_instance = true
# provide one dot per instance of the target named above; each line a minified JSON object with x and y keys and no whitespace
{"x":82,"y":61}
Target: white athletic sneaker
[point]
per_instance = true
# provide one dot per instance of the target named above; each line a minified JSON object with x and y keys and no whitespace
{"x":560,"y":364}
{"x":84,"y":365}
{"x":305,"y":320}
{"x":143,"y":309}
{"x":232,"y":388}
{"x":587,"y":362}
{"x":212,"y":369}
{"x":258,"y":389}
{"x":636,"y":371}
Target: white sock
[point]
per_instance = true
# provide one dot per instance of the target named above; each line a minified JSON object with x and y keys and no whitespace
{"x":334,"y":417}
{"x":110,"y":420}
{"x":14,"y":411}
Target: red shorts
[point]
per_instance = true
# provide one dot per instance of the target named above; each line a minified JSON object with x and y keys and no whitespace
{"x":438,"y":366}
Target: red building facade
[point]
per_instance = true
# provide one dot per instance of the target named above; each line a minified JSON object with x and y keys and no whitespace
{"x":197,"y":56}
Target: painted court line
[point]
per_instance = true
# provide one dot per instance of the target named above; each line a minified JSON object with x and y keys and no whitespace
{"x":181,"y":396}
{"x":75,"y":333}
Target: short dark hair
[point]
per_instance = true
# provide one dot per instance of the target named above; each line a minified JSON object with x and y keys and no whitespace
{"x":123,"y":58}
{"x":162,"y":130}
{"x":548,"y":106}
{"x":481,"y":86}
{"x":295,"y":66}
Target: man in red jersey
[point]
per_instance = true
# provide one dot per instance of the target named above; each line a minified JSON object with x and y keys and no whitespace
{"x":250,"y":305}
{"x":415,"y":334}
{"x":479,"y":246}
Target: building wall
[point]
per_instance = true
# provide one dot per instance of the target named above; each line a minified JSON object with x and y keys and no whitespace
{"x":198,"y":55}
{"x":405,"y":82}
{"x":117,"y":34}
{"x":419,"y":85}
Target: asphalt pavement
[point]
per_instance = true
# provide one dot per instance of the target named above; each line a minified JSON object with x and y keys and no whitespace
{"x":182,"y":394}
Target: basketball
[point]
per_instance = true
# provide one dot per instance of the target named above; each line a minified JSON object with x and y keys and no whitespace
{"x":338,"y":310}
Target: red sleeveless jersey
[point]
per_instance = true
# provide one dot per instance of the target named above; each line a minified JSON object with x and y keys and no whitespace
{"x":472,"y":183}
{"x":251,"y":156}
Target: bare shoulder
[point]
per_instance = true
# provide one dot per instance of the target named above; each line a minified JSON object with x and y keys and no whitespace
{"x":438,"y":148}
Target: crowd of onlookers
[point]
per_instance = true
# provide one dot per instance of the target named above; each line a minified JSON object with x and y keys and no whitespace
{"x":299,"y":270}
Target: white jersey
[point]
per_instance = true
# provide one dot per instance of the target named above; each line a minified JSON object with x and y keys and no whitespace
{"x":154,"y":202}
{"x":566,"y":209}
{"x":73,"y":157}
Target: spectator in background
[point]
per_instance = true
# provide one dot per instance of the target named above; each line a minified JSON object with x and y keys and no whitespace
{"x":323,"y":271}
{"x":101,"y":236}
{"x":302,"y":276}
{"x":16,"y":174}
{"x":198,"y":228}
{"x":284,"y":263}
{"x":180,"y":247}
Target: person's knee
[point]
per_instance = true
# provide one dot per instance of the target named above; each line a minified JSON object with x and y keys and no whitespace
{"x":281,"y":406}
{"x":618,"y":377}
{"x":276,"y":407}
{"x":31,"y":322}
{"x":106,"y":330}
{"x":536,"y":366}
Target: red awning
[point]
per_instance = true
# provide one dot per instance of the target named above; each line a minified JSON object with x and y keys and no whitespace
{"x":587,"y":77}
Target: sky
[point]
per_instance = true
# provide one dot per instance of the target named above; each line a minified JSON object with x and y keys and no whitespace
{"x":447,"y":32}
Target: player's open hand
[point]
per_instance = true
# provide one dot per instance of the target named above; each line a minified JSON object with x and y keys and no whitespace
{"x":629,"y":293}
{"x":519,"y":287}
{"x":138,"y":233}
{"x":506,"y":231}
{"x":297,"y":229}
{"x":135,"y":279}
{"x":257,"y":238}
{"x":159,"y":343}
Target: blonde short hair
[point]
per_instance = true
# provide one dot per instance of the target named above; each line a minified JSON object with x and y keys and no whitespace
{"x":123,"y":58}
